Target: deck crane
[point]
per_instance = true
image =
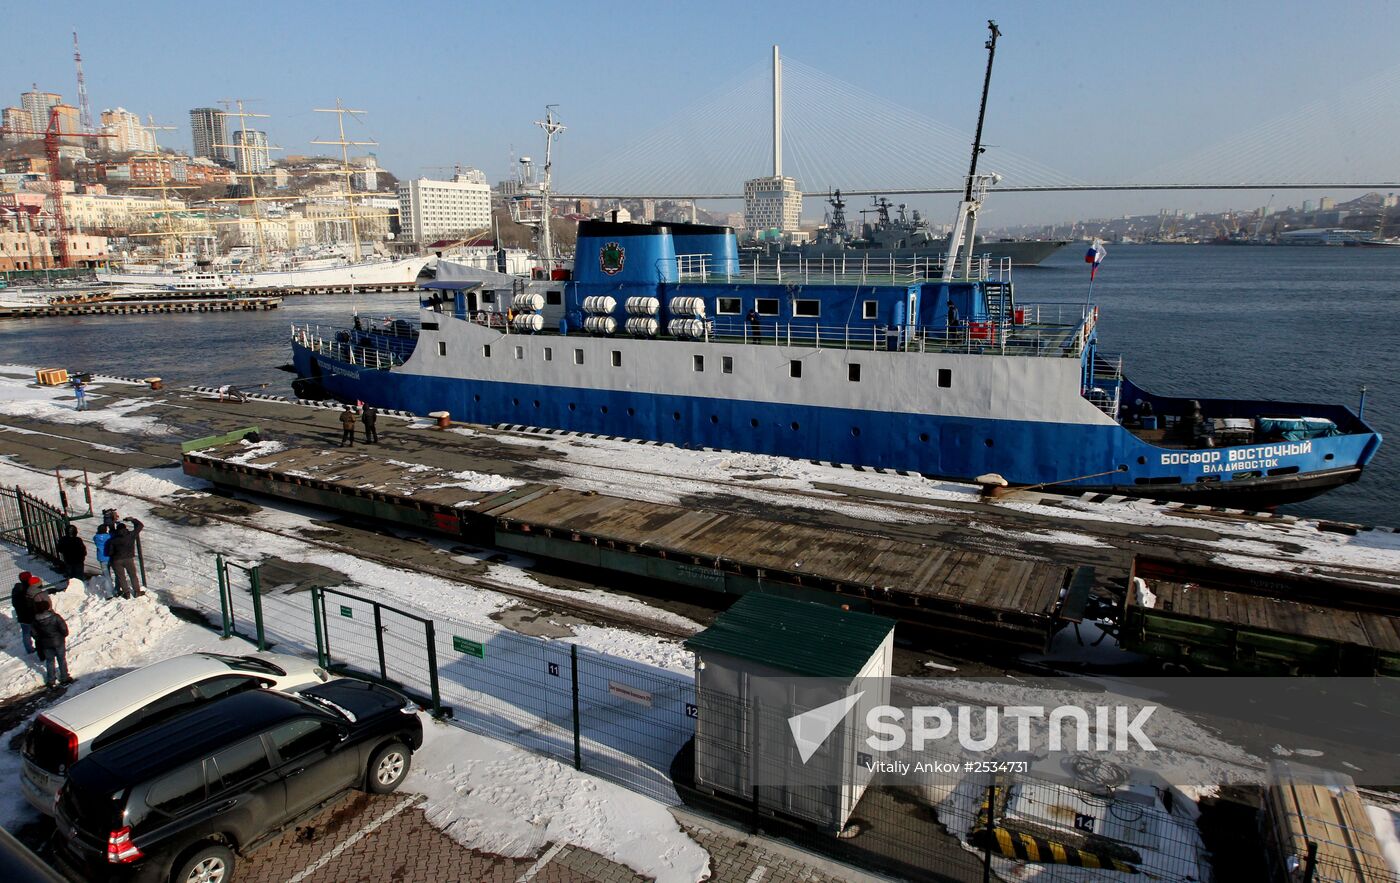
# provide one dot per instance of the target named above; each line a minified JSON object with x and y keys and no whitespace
{"x":52,"y":136}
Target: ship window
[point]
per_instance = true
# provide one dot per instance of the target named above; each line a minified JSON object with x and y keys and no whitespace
{"x":855,"y":432}
{"x":549,"y":354}
{"x":795,"y":368}
{"x":578,"y":357}
{"x":698,"y":362}
{"x":442,"y":347}
{"x":766,"y":306}
{"x":488,"y":297}
{"x":554,"y":298}
{"x":869,"y":309}
{"x":726,"y":364}
{"x":617,"y":358}
{"x":520,"y":352}
{"x":853,"y":372}
{"x":945,"y":377}
{"x":486,"y":351}
{"x":807,"y":309}
{"x":728,"y":306}
{"x":753,"y":421}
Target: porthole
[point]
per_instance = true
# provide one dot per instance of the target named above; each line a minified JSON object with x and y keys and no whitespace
{"x":1142,"y":461}
{"x":855,"y":432}
{"x":988,"y":442}
{"x":923,"y":436}
{"x":515,"y":403}
{"x":603,"y":408}
{"x":537,"y":404}
{"x":714,"y":418}
{"x":676,"y":416}
{"x":753,"y":421}
{"x":573,"y":407}
{"x":631,"y":412}
{"x":795,"y":426}
{"x":476,"y":397}
{"x":1330,"y":457}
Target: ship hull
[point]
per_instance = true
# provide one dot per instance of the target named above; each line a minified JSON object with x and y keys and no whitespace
{"x":402,"y":272}
{"x":1071,"y":457}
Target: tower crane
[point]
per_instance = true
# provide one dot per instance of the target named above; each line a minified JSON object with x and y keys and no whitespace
{"x":52,"y":136}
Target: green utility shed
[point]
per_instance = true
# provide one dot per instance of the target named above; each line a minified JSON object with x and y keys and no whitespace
{"x":783,"y":688}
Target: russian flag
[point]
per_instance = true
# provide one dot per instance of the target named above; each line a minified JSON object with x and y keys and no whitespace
{"x":1094,"y":256}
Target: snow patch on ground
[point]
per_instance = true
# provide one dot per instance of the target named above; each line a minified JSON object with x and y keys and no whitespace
{"x":505,"y":801}
{"x":256,"y":450}
{"x":23,"y":398}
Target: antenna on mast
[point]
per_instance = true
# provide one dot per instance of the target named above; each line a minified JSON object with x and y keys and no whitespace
{"x":84,"y":108}
{"x":551,"y":128}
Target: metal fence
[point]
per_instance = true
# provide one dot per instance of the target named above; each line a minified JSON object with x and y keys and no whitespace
{"x":240,"y":600}
{"x":28,"y":521}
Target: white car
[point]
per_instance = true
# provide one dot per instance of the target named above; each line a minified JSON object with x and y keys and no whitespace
{"x":64,"y":734}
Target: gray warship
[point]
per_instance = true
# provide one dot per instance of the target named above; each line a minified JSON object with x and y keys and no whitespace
{"x":905,"y":233}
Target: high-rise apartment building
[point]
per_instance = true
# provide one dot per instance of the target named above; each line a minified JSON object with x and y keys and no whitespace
{"x":210,"y":130}
{"x":128,"y":135}
{"x":13,"y":121}
{"x":772,"y":204}
{"x":250,"y":151}
{"x":37,"y":104}
{"x":430,"y":209}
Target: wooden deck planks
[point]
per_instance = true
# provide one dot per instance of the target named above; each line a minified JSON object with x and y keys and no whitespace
{"x":976,"y":579}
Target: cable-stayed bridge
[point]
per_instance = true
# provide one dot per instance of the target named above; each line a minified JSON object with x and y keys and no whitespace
{"x":838,"y":135}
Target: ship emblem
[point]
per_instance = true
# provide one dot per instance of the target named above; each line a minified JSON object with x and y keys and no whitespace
{"x":611,"y":258}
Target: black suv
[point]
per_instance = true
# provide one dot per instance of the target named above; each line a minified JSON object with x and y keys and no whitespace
{"x":177,"y":802}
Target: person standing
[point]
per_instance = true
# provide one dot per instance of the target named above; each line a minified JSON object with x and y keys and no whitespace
{"x":80,"y":393}
{"x":51,"y":638}
{"x":369,"y":415}
{"x":122,"y":550}
{"x":24,"y":611}
{"x":953,"y":322}
{"x":99,"y":548}
{"x":347,"y":427}
{"x":73,"y":551}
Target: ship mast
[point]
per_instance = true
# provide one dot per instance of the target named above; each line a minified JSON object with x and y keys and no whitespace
{"x":252,"y":176}
{"x":164,"y":186}
{"x":551,"y":128}
{"x":965,"y":227}
{"x":353,"y":216}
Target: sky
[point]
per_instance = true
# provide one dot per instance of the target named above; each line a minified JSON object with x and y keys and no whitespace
{"x":1095,"y":92}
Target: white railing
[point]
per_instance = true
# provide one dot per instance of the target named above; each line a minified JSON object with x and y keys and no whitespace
{"x":328,"y":342}
{"x":851,"y":268}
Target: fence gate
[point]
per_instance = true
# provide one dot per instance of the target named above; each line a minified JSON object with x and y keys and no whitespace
{"x":28,"y":521}
{"x":370,"y":638}
{"x":240,"y":600}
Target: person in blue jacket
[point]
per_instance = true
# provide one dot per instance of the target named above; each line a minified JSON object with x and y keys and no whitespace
{"x":104,"y":561}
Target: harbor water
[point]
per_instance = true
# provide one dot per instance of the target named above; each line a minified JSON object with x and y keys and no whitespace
{"x":1300,"y":324}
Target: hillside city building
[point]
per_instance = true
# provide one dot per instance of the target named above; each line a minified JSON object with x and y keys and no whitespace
{"x":430,"y":209}
{"x":209,"y":128}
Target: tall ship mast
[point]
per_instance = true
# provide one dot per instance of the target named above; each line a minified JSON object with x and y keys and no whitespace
{"x":293,"y":267}
{"x":922,"y":364}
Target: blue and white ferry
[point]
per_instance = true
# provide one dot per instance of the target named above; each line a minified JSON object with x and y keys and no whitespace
{"x":662,"y":333}
{"x":920,"y":365}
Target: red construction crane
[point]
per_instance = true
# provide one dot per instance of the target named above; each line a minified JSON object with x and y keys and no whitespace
{"x":51,"y":137}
